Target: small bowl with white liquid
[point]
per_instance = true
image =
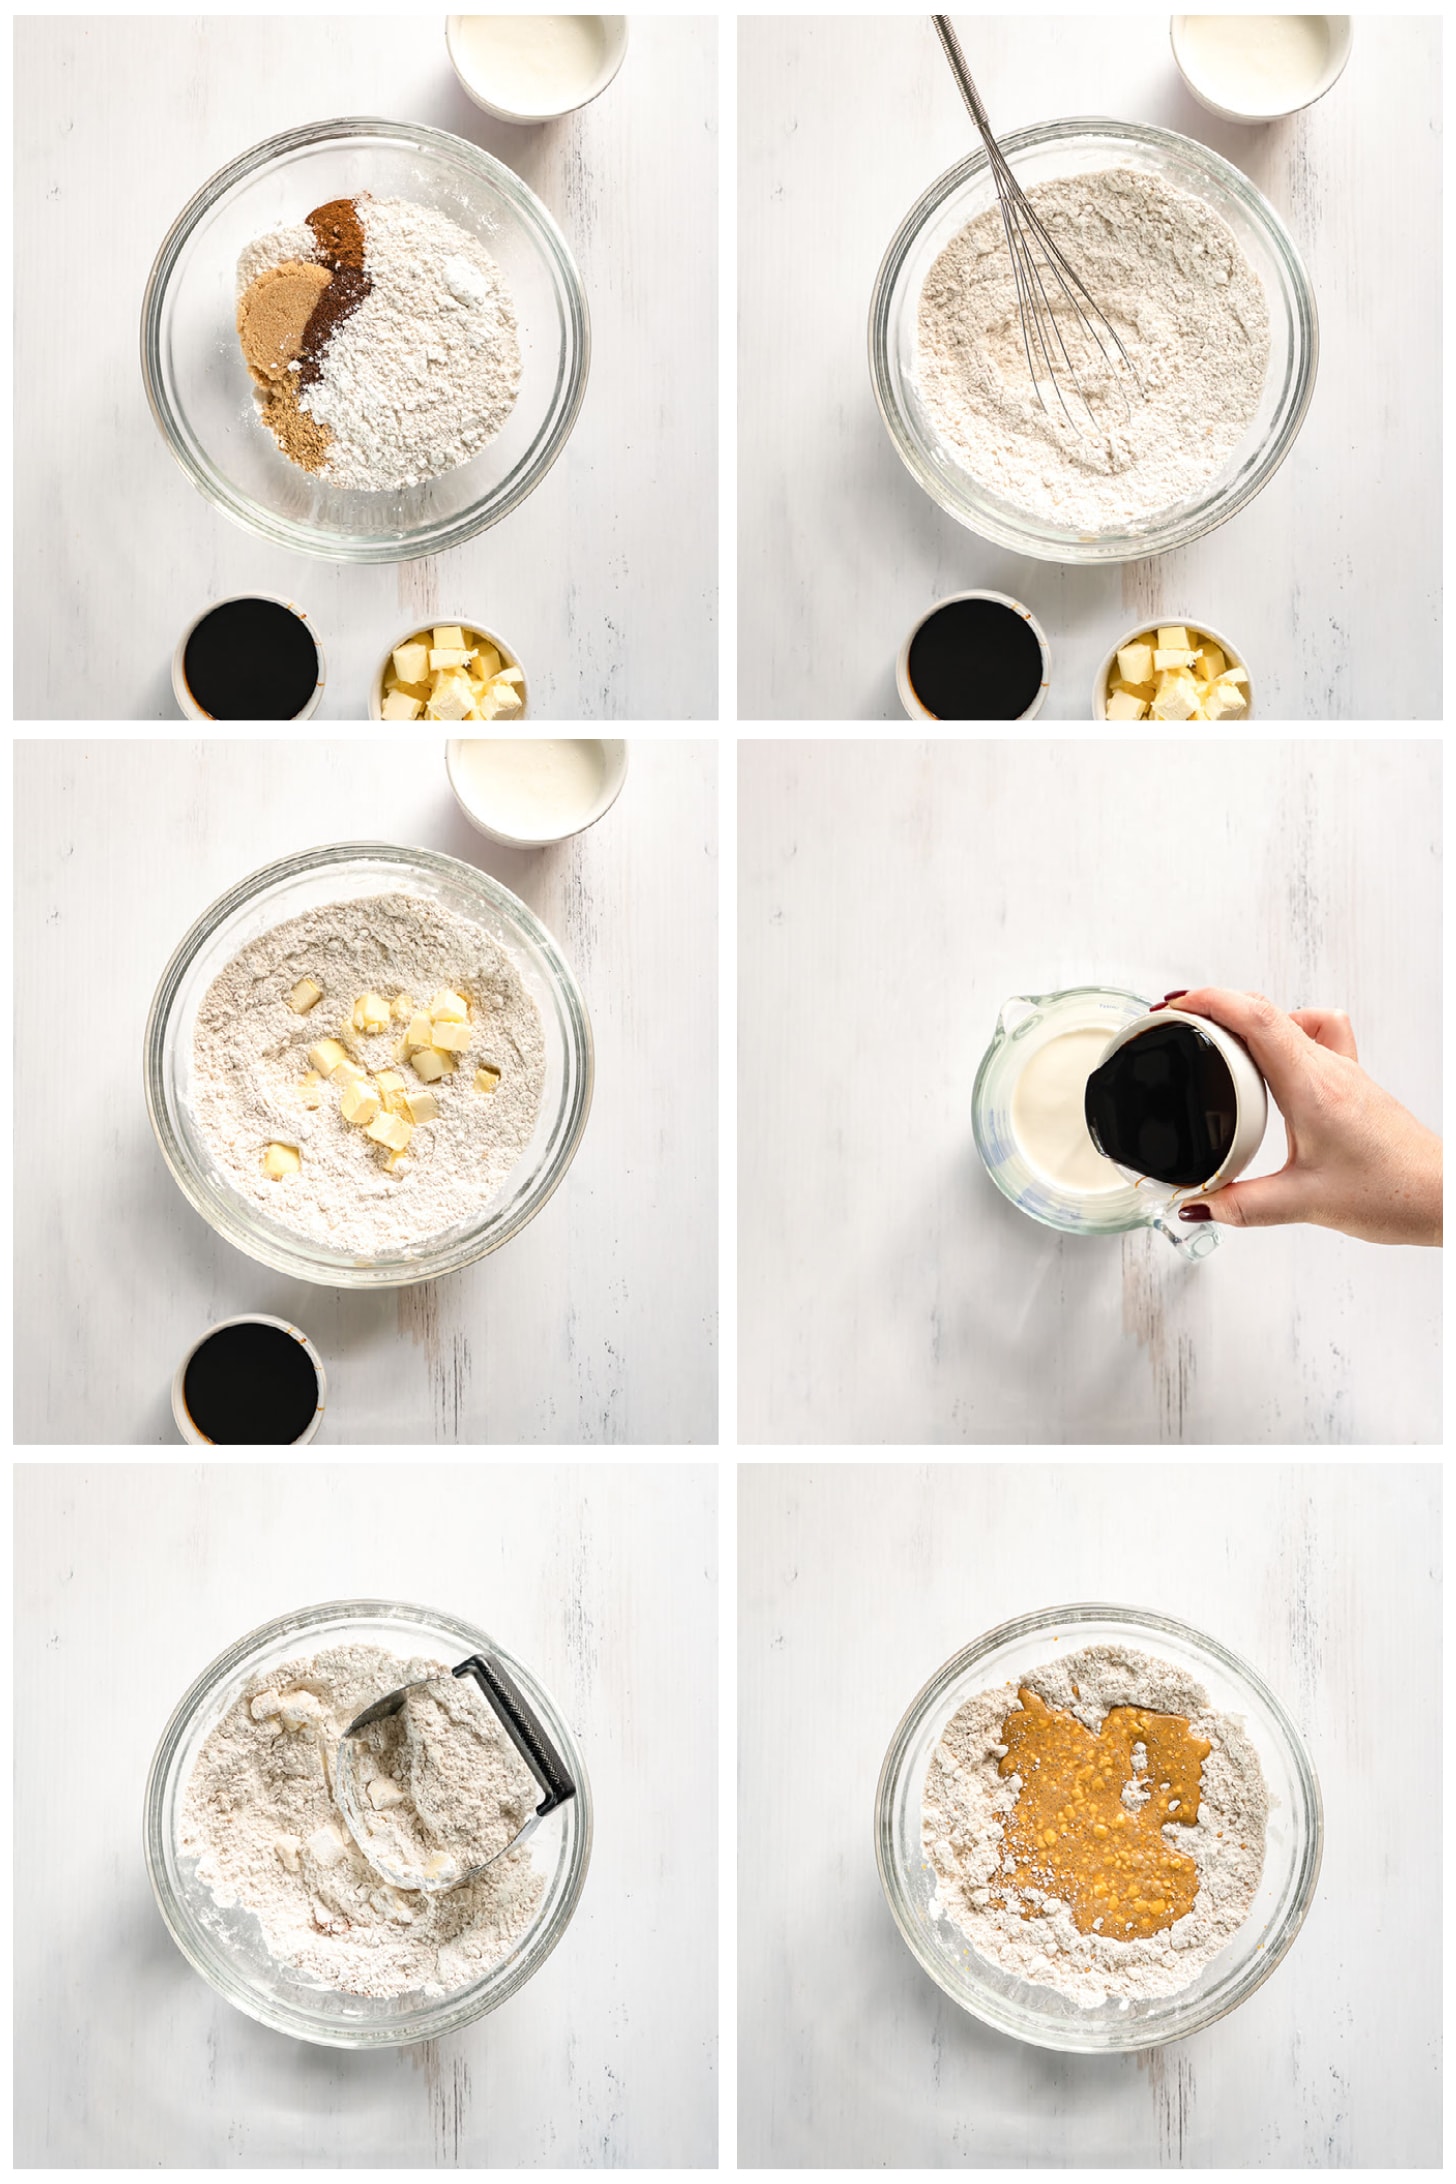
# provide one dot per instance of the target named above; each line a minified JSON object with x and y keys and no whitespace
{"x":533,"y":68}
{"x":529,"y":792}
{"x":1253,"y":68}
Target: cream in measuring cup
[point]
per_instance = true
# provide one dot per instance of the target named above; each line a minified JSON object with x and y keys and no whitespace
{"x":1047,"y":1114}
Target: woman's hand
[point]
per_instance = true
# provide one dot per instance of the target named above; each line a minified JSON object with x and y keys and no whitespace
{"x":1358,"y":1160}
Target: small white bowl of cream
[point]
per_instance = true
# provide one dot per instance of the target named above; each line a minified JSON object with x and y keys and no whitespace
{"x":531,"y":68}
{"x":1260,"y":67}
{"x":529,"y":792}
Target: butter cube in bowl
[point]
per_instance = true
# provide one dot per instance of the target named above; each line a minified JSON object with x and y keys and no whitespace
{"x":1175,"y":669}
{"x":450,"y":670}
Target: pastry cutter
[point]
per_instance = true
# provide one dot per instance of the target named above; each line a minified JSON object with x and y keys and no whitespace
{"x":518,"y":1720}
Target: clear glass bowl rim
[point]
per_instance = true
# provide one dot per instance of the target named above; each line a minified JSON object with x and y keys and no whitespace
{"x":259,"y":1243}
{"x":933,"y":1694}
{"x":301,"y":537}
{"x":1030,"y":537}
{"x":450,"y":2012}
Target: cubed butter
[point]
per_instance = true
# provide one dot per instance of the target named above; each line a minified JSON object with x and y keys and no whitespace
{"x":402,"y":1008}
{"x":418,"y":1034}
{"x":326,"y":1056}
{"x":449,"y":1007}
{"x":1135,"y":662}
{"x":310,"y":1090}
{"x":487,"y":661}
{"x":1174,"y":639}
{"x":1234,"y":675}
{"x":359,"y":1104}
{"x":1210,"y":662}
{"x":452,"y":701}
{"x":1167,"y":661}
{"x":397,"y":706}
{"x":346,"y":1072}
{"x":510,"y":675}
{"x":428,"y":1066}
{"x":394,"y":1131}
{"x":442,"y":657}
{"x":390,"y":1086}
{"x":503,"y":694}
{"x":305,"y":996}
{"x":1177,"y":697}
{"x":486,"y":1078}
{"x":1123,"y":706}
{"x":421,"y":1106}
{"x":412,"y":660}
{"x":451,"y":1038}
{"x":448,"y":638}
{"x":281,"y":1160}
{"x":371,"y":1012}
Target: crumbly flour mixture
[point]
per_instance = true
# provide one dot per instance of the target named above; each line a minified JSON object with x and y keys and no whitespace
{"x":444,"y":1785}
{"x":404,"y":365}
{"x":1189,"y":310}
{"x":260,"y":1817}
{"x":250,"y":1058}
{"x":966,"y":1801}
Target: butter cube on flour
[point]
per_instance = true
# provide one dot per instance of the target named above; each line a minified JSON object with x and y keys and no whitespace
{"x":281,"y":1160}
{"x":422,"y":1106}
{"x":391,"y":1090}
{"x":393,"y":1131}
{"x":326,"y":1056}
{"x":305,"y":996}
{"x":359,"y":1104}
{"x":486,"y":1078}
{"x":449,"y":1006}
{"x":451,"y":1038}
{"x":428,"y":1066}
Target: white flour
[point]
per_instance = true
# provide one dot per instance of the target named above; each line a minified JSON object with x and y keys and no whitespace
{"x":259,"y":1815}
{"x":446,"y":1787}
{"x":427,"y":370}
{"x":250,"y":1054}
{"x":966,"y":1800}
{"x":1188,"y":309}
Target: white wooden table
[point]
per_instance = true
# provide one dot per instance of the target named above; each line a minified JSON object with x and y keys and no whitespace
{"x":857,"y":1582}
{"x":605,"y":580}
{"x":892,"y":896}
{"x":132,"y":1578}
{"x":595,"y":1324}
{"x":1330,"y":582}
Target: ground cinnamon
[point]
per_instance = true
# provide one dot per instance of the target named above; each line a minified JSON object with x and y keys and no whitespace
{"x":340,"y":237}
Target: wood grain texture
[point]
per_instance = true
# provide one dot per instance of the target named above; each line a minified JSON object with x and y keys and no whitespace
{"x":605,"y":581}
{"x":596,"y":1324}
{"x":857,"y":1581}
{"x":134,"y":1577}
{"x":839,"y":550}
{"x":892,"y":896}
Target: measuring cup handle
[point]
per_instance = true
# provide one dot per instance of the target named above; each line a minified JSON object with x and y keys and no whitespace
{"x":1193,"y":1243}
{"x":524,"y":1730}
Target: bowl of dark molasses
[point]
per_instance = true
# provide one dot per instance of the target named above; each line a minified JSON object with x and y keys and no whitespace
{"x":978,"y":655}
{"x":251,"y":658}
{"x":253,"y":1381}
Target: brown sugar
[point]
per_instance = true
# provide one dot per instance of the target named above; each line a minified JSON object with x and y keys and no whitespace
{"x":303,"y":439}
{"x":1071,"y":1836}
{"x":273,"y":313}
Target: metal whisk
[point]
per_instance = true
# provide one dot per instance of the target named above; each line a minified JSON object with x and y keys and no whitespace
{"x":1033,"y":253}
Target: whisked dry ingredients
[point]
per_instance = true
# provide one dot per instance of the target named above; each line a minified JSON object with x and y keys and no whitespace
{"x":1189,"y":310}
{"x":1097,"y":1828}
{"x":381,"y":339}
{"x":303,"y":1143}
{"x":260,"y":1817}
{"x":444,"y":1787}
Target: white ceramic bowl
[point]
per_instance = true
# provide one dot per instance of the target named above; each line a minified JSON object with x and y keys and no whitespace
{"x":189,"y":706}
{"x":614,"y":29}
{"x":1251,"y":1097}
{"x":509,"y":658}
{"x":614,"y":773}
{"x":908,"y":698}
{"x":180,"y":1412}
{"x":1341,"y":39}
{"x":1229,"y":650}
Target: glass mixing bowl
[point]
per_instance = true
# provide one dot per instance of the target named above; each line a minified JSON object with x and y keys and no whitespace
{"x":198,"y":384}
{"x":1043,"y":154}
{"x":227,"y":1945}
{"x":1038,"y":2014}
{"x":343,"y":873}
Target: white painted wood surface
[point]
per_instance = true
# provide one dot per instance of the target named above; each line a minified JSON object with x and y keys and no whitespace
{"x":857,"y":1582}
{"x":595,"y":1324}
{"x":605,"y":580}
{"x":1330,"y":582}
{"x":132,"y":1578}
{"x":892,"y":897}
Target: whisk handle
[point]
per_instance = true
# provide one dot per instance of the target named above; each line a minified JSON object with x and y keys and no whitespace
{"x":945,"y":32}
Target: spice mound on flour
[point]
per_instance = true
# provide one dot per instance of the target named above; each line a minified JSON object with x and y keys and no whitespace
{"x":381,"y":340}
{"x":260,"y":1817}
{"x":1098,"y":1828}
{"x":443,"y":1787}
{"x":369,"y":1073}
{"x":1188,"y":309}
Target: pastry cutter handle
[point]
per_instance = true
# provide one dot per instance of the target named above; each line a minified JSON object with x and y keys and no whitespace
{"x":520,"y":1724}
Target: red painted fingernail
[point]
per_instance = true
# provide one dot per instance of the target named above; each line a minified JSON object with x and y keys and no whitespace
{"x":1177,"y":993}
{"x":1195,"y":1213}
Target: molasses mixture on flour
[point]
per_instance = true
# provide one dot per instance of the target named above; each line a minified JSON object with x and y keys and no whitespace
{"x":369,"y":1073}
{"x":1186,"y":305}
{"x":381,"y":340}
{"x":1097,"y":1828}
{"x":260,"y":1817}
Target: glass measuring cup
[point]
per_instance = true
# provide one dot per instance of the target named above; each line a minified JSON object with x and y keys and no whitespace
{"x":1027,"y":1023}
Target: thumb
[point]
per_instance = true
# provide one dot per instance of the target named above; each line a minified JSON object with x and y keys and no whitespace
{"x":1267,"y":1202}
